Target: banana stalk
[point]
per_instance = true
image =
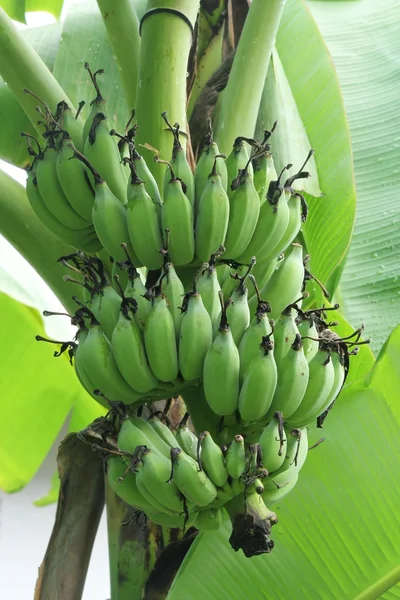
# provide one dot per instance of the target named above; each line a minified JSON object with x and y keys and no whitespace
{"x":22,"y":68}
{"x":37,"y":244}
{"x":122,"y":25}
{"x":237,"y":112}
{"x":166,"y":30}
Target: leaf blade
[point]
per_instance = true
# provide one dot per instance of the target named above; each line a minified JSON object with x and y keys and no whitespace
{"x":366,"y":64}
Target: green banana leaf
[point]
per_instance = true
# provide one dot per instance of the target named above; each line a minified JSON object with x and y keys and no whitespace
{"x":339,"y":530}
{"x":38,"y":394}
{"x":392,"y":594}
{"x":16,"y":9}
{"x":308,"y":105}
{"x":363,"y":39}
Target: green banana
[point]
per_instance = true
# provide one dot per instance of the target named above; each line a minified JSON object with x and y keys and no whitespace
{"x":285,"y":284}
{"x":285,"y":331}
{"x":105,"y":305}
{"x":212,"y":216}
{"x":109,"y":216}
{"x":129,"y":352}
{"x":186,"y":438}
{"x":263,"y":165}
{"x":177,"y":217}
{"x":74,"y":179}
{"x":221,"y":370}
{"x":136,"y":289}
{"x":238,"y":312}
{"x":212,"y":459}
{"x":195,"y":336}
{"x":223,"y":272}
{"x":237,"y":161}
{"x":272,"y":223}
{"x":80,"y":371}
{"x":259,"y":327}
{"x":243,"y":214}
{"x":259,"y":383}
{"x":297,"y":212}
{"x":123,"y":482}
{"x":296,"y":217}
{"x":236,"y":458}
{"x":320,"y":384}
{"x":160,"y":339}
{"x":130,"y":436}
{"x":210,"y":519}
{"x":309,"y":334}
{"x":98,"y":362}
{"x":97,"y":104}
{"x":277,"y":487}
{"x":205,"y":165}
{"x":292,"y":380}
{"x":83,"y":239}
{"x":273,"y":442}
{"x":52,"y":192}
{"x":208,"y":286}
{"x":144,"y":172}
{"x":136,"y":431}
{"x":179,"y":162}
{"x":143,"y":221}
{"x":194,"y":484}
{"x":101,"y":150}
{"x":172,"y":288}
{"x":154,"y":475}
{"x":296,"y":450}
{"x":164,"y":432}
{"x":183,"y":521}
{"x":339,"y":378}
{"x":69,"y":122}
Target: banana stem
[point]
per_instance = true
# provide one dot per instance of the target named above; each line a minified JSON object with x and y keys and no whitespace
{"x":21,"y":67}
{"x":164,"y":52}
{"x":21,"y":227}
{"x":130,"y":556}
{"x":122,"y":26}
{"x":237,"y":114}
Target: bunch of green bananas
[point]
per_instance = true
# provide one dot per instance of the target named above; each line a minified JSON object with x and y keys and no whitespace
{"x":181,"y":480}
{"x":198,"y":284}
{"x":107,"y":195}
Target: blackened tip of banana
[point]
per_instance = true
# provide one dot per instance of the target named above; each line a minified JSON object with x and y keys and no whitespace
{"x":224,"y":325}
{"x":97,"y":119}
{"x":275,"y":188}
{"x":267,"y":344}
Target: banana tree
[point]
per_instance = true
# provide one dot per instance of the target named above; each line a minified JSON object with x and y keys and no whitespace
{"x":184,"y":75}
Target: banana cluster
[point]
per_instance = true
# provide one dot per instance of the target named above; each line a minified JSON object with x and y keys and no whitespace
{"x":181,"y":480}
{"x":100,"y":193}
{"x":139,"y":344}
{"x":200,"y":284}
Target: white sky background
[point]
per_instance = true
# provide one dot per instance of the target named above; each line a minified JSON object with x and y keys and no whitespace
{"x":25,"y":528}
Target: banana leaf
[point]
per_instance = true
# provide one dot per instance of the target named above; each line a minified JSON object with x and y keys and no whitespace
{"x":37,"y":395}
{"x":364,"y":44}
